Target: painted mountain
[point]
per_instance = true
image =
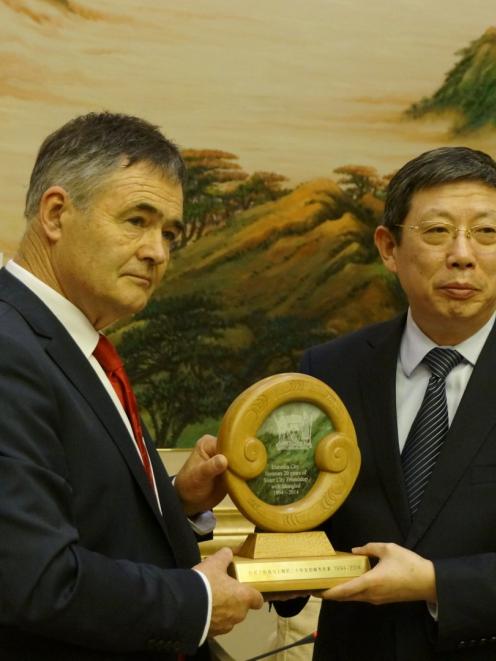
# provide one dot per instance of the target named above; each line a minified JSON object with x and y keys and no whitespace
{"x":245,"y":299}
{"x":469,"y":90}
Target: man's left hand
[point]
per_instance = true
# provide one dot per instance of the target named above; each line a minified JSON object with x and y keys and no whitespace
{"x":400,"y":575}
{"x":199,"y":483}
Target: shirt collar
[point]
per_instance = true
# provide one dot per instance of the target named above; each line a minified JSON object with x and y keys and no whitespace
{"x":74,"y":321}
{"x":415,"y":344}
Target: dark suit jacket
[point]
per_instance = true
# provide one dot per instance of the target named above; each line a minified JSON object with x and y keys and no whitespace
{"x":89,"y":568}
{"x":455,"y":525}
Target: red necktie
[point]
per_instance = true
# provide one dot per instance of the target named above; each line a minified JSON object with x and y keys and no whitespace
{"x":109,"y":359}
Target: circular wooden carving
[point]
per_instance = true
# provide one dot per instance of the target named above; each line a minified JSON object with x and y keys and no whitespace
{"x":292,"y":452}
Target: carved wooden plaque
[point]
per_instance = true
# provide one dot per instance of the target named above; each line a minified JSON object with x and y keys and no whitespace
{"x":292,"y":452}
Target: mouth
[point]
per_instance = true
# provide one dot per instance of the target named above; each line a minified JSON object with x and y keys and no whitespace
{"x":140,"y":279}
{"x":459,"y":290}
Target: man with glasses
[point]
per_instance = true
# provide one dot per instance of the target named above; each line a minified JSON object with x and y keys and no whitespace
{"x":421,"y":390}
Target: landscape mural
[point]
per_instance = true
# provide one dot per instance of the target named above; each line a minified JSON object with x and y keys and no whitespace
{"x":292,"y":117}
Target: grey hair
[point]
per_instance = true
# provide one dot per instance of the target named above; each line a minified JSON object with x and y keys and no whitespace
{"x":82,"y":154}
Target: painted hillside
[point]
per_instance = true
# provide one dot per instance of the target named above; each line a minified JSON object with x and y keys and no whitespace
{"x":309,"y":253}
{"x":469,"y":89}
{"x":245,"y":300}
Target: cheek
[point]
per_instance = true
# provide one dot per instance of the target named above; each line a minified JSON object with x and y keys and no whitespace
{"x":74,"y":263}
{"x":83,"y":250}
{"x":417,"y":279}
{"x":96,"y":272}
{"x":421,"y":268}
{"x":162,"y":268}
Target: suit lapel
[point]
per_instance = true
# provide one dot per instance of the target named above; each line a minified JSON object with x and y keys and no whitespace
{"x":475,"y":417}
{"x":77,"y":369}
{"x":179,"y":532}
{"x":71,"y":361}
{"x":65,"y":353}
{"x":378,"y":387}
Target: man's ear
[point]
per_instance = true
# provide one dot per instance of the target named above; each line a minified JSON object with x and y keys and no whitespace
{"x":54,"y":204}
{"x":387,"y":245}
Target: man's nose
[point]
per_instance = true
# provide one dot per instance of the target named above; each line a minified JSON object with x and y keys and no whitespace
{"x":154,"y":247}
{"x":461,"y":251}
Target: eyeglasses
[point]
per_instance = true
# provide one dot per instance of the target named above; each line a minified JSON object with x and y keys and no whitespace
{"x":440,"y":234}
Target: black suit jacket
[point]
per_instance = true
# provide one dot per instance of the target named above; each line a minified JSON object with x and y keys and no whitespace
{"x":455,"y":525}
{"x":89,"y":568}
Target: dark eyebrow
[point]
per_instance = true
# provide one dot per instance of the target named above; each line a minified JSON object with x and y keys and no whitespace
{"x":441,"y":213}
{"x":142,"y":206}
{"x":437,"y":213}
{"x":178,"y":224}
{"x":149,"y":208}
{"x":486,"y":214}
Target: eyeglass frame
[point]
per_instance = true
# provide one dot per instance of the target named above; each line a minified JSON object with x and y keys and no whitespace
{"x":454,"y":231}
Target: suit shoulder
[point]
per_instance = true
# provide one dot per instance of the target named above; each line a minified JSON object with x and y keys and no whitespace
{"x":367,"y":334}
{"x":11,"y":321}
{"x":18,"y":341}
{"x":348,"y":347}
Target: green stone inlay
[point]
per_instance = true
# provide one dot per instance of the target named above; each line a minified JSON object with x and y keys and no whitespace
{"x":290,"y":435}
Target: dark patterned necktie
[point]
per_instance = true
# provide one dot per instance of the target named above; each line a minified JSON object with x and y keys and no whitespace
{"x":111,"y":362}
{"x":430,"y":426}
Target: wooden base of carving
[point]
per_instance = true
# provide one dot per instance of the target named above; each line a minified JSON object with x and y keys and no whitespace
{"x":292,"y":562}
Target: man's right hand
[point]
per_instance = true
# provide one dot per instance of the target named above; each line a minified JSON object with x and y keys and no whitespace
{"x":231,"y":600}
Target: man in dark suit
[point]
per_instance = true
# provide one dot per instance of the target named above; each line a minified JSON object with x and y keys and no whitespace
{"x":97,"y":557}
{"x":424,"y":505}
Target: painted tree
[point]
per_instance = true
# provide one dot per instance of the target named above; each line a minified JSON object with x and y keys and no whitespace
{"x":204,"y":207}
{"x":217,"y":188}
{"x":469,"y":88}
{"x":258,"y":188}
{"x":358,"y":180}
{"x":278,"y":345}
{"x":175,"y":356}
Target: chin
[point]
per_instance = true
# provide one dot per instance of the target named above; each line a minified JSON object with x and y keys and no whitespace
{"x":136,"y":306}
{"x":121,"y":311}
